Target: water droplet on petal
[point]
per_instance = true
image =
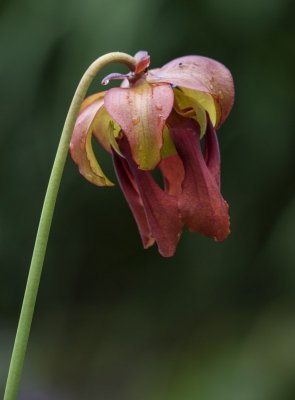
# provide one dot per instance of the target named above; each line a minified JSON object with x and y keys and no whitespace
{"x":211,"y":83}
{"x":135,"y":120}
{"x":159,"y":107}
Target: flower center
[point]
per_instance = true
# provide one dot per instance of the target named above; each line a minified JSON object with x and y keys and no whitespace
{"x":142,"y":62}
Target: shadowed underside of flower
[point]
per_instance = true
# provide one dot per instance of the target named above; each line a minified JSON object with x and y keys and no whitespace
{"x":157,"y":119}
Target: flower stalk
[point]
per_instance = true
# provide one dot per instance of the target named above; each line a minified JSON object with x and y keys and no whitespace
{"x":30,"y":295}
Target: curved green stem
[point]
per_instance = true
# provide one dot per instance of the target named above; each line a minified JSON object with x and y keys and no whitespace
{"x":26,"y":315}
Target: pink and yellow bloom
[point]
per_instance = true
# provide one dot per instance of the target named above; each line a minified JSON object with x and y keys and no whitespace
{"x":157,"y":119}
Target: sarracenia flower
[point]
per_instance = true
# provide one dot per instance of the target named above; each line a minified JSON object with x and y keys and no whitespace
{"x":156,"y":119}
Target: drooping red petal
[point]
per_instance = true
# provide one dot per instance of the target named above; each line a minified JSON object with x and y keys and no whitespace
{"x":199,"y":73}
{"x":131,"y":192}
{"x":173,"y":174}
{"x":141,"y":112}
{"x":201,"y":204}
{"x":161,"y":208}
{"x":212,"y":153}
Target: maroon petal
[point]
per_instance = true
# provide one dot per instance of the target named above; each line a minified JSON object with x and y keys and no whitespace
{"x":161,"y":209}
{"x":131,"y":192}
{"x":201,"y":205}
{"x":173,"y":174}
{"x":212,"y":153}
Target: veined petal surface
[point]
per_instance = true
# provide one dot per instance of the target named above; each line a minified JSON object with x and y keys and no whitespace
{"x":106,"y":130}
{"x":133,"y":197}
{"x":161,"y":208}
{"x":201,"y":204}
{"x":141,"y":112}
{"x":81,"y":146}
{"x":189,"y":107}
{"x":202,"y":74}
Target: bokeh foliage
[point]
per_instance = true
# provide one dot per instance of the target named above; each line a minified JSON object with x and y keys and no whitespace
{"x":113,"y":321}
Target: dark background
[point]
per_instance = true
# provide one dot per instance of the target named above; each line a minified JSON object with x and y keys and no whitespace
{"x":216,"y":321}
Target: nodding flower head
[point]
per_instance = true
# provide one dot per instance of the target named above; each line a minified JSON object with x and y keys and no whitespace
{"x":157,"y":119}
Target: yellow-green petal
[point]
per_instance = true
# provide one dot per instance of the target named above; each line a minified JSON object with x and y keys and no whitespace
{"x":207,"y":102}
{"x":188,"y":106}
{"x":106,"y":130}
{"x":168,"y":148}
{"x":141,"y":112}
{"x":81,"y":146}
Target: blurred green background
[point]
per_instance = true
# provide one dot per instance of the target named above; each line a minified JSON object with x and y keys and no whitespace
{"x":217,"y":321}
